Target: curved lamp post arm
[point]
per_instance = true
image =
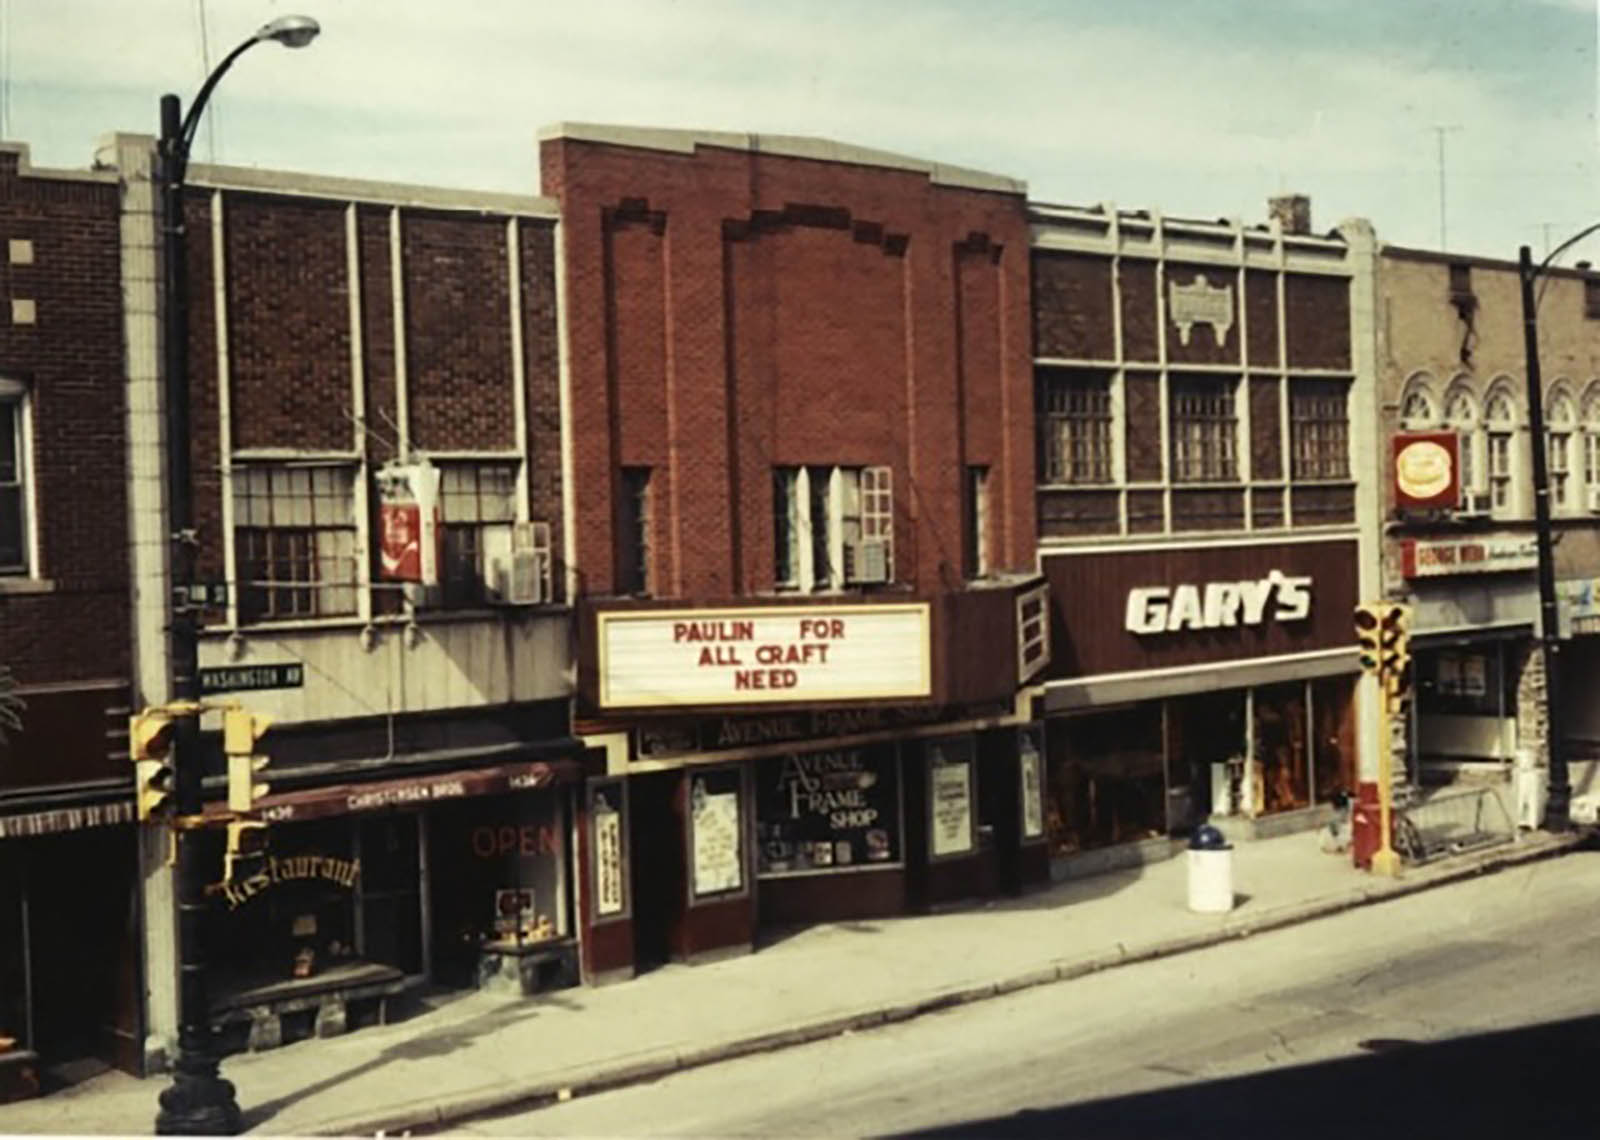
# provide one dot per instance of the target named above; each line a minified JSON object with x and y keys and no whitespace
{"x":1539,"y":272}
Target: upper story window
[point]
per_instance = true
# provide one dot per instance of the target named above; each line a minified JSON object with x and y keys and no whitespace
{"x":1319,"y":429}
{"x":1075,"y":427}
{"x":1417,"y":409}
{"x":1591,"y":297}
{"x":1461,"y":415}
{"x":1591,"y":438}
{"x":14,"y":552}
{"x":1560,"y":420}
{"x":1204,"y":431}
{"x":634,"y":509}
{"x":294,"y":541}
{"x":832,"y":527}
{"x":1500,"y":423}
{"x":477,"y":503}
{"x":975,"y":523}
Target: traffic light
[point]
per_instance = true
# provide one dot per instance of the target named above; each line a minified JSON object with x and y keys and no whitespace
{"x":150,"y":748}
{"x":247,"y":839}
{"x":240,"y":731}
{"x":1369,"y":621}
{"x":1394,"y":636}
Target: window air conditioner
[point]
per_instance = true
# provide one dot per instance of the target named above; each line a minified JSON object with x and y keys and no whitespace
{"x":872,"y":561}
{"x":518,"y":575}
{"x":1473,"y":506}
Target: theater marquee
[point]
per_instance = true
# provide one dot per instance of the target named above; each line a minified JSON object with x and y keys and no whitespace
{"x":763,"y":655}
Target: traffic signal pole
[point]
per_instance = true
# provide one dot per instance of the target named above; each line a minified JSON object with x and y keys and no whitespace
{"x":1385,"y":860}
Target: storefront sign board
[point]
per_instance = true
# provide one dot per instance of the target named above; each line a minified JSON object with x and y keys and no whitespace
{"x":825,"y":811}
{"x":606,"y":821}
{"x":1168,"y":609}
{"x":950,"y":799}
{"x":715,"y":818}
{"x":1427,"y":470}
{"x":764,"y":655}
{"x":1030,"y":759}
{"x":1427,"y":558}
{"x":667,"y":739}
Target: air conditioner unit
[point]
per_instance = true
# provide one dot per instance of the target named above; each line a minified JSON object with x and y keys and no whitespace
{"x":1592,"y":496}
{"x":1473,"y":505}
{"x":871,"y":561}
{"x":519,"y":575}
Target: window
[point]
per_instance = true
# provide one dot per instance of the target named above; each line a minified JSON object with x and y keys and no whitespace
{"x":294,"y":541}
{"x":1075,"y":428}
{"x":1559,"y":422}
{"x":1460,"y":280}
{"x":1319,"y":428}
{"x":1500,"y":419}
{"x":14,"y":553}
{"x":633,"y":532}
{"x":1591,"y":439}
{"x":832,"y":527}
{"x":1591,"y":297}
{"x":477,"y":504}
{"x":1416,"y":407}
{"x":1204,"y":431}
{"x":976,"y":518}
{"x":1461,"y":414}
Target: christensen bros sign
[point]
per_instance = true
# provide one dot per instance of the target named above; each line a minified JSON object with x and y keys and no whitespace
{"x":753,"y":656}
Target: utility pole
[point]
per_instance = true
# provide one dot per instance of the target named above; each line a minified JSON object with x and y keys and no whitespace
{"x":1444,"y":242}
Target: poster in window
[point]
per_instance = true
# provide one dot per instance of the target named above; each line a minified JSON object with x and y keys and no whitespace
{"x":950,"y":798}
{"x":1031,"y":761}
{"x":824,"y":811}
{"x":605,"y":816}
{"x":1475,"y":675}
{"x":715,"y":825}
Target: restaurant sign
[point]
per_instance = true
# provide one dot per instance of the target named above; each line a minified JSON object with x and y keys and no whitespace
{"x":763,"y":655}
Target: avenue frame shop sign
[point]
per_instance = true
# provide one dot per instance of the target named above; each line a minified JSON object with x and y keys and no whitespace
{"x":753,"y":655}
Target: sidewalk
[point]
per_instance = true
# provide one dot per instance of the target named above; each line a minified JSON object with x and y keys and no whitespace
{"x":477,"y":1052}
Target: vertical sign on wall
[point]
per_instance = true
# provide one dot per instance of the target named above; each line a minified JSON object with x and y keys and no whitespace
{"x":1030,"y":759}
{"x":714,"y":815}
{"x":408,"y":523}
{"x":605,"y":822}
{"x":950,"y":797}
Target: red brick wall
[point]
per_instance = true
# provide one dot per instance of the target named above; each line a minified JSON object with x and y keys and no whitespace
{"x":809,"y":312}
{"x":71,"y":360}
{"x":290,"y":340}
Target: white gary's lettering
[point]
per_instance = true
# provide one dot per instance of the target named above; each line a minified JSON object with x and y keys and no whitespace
{"x":1186,"y":611}
{"x":1147,"y":610}
{"x":1294,"y":597}
{"x":1160,"y":609}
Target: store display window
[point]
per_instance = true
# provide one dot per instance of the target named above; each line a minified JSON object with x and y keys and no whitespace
{"x":828,"y":811}
{"x":1106,"y":779}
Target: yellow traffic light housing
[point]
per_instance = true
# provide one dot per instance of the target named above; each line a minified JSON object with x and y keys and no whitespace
{"x":247,"y":839}
{"x":240,"y":731}
{"x":150,"y":736}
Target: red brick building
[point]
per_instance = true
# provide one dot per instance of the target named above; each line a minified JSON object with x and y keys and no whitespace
{"x":68,"y":918}
{"x":799,"y":407}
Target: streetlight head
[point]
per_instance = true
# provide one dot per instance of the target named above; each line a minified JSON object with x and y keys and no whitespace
{"x":290,"y":31}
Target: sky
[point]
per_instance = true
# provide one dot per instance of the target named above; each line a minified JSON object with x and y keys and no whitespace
{"x":1198,"y":109}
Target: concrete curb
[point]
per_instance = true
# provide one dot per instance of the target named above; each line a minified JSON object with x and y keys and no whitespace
{"x":428,"y":1114}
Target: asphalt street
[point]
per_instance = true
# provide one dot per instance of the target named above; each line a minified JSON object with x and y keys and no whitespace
{"x":1443,"y":1014}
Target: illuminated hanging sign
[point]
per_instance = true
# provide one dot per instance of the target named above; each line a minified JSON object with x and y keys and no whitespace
{"x":752,"y":656}
{"x":408,"y":523}
{"x":1427,"y":470}
{"x":1215,"y":605}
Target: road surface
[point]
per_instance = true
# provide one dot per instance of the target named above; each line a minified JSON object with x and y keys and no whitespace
{"x":1311,"y":1030}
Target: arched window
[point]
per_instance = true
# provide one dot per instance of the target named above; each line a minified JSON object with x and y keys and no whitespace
{"x":1559,"y":421}
{"x":1500,"y":427}
{"x":1417,"y":409}
{"x":1461,"y":414}
{"x":1591,"y":437}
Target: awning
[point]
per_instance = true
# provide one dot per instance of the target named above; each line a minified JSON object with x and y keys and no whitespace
{"x":1469,"y":635}
{"x":415,"y":791}
{"x":50,"y":821}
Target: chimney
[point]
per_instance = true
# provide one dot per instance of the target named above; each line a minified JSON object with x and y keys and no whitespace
{"x":1292,"y":211}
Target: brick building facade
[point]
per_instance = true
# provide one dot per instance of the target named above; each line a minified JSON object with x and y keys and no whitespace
{"x":68,"y":919}
{"x":800,"y":418}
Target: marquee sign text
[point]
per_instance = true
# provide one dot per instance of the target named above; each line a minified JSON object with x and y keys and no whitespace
{"x":1215,"y":605}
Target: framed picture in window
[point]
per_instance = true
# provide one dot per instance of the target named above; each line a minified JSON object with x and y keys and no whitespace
{"x":951,"y":762}
{"x":716,"y":833}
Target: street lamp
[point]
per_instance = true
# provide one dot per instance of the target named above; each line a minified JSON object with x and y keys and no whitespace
{"x":198,"y":1102}
{"x":1557,"y":807}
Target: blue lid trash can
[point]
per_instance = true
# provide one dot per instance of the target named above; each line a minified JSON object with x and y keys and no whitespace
{"x":1210,"y":858}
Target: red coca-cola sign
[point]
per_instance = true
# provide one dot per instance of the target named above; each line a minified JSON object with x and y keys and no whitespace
{"x":408,"y":523}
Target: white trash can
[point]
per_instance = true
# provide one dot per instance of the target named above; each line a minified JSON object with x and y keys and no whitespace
{"x":1210,"y":872}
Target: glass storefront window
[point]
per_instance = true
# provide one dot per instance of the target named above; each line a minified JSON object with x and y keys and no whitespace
{"x":1205,"y":757}
{"x":1333,"y":761}
{"x":823,"y":811}
{"x":1282,"y":768}
{"x":1463,"y":682}
{"x":1106,"y":779}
